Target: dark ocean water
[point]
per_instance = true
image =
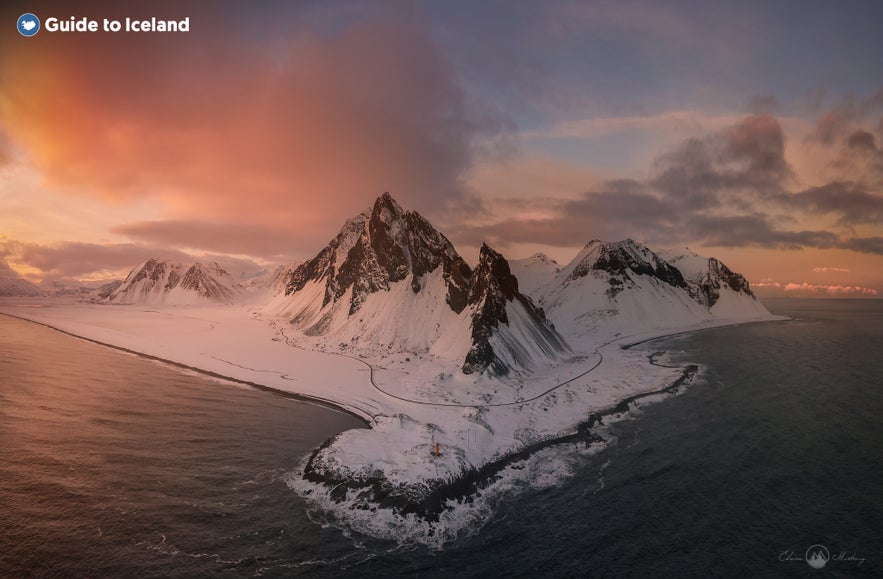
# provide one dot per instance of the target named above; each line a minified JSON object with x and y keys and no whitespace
{"x":112,"y":465}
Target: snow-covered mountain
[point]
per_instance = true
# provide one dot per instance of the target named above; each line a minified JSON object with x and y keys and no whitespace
{"x":508,"y":330}
{"x":14,"y":286}
{"x":165,"y":282}
{"x":534,"y":272}
{"x":103,"y":291}
{"x":389,"y":281}
{"x":628,"y":287}
{"x":273,"y":282}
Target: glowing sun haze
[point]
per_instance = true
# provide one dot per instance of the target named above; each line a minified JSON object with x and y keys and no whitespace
{"x":535,"y":126}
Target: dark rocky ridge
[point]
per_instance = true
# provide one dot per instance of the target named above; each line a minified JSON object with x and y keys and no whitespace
{"x":386,"y":245}
{"x":390,"y":245}
{"x":707,"y":290}
{"x":621,"y":258}
{"x":493,"y":287}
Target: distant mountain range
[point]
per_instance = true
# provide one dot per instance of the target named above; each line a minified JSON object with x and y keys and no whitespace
{"x":164,"y":282}
{"x":391,"y":282}
{"x":15,"y":286}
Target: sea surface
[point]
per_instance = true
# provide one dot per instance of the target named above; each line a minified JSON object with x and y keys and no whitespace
{"x":113,"y":465}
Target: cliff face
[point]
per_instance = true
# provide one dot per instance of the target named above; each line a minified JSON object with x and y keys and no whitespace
{"x":378,"y":248}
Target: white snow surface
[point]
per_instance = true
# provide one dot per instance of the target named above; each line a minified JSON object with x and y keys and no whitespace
{"x":397,"y":361}
{"x":168,"y":283}
{"x":534,"y":272}
{"x":14,"y":286}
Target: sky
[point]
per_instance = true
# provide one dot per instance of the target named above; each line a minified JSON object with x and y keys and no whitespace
{"x":749,"y":131}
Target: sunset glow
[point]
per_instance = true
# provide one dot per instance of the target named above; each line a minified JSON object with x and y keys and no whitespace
{"x":251,"y":137}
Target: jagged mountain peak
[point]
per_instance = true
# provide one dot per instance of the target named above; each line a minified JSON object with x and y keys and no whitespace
{"x":492,"y":275}
{"x":540,"y":257}
{"x":494,"y":294}
{"x":386,"y":208}
{"x":378,"y":248}
{"x":621,"y":260}
{"x":163,"y":281}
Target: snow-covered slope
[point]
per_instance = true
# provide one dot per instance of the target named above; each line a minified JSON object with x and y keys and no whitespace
{"x":389,"y":281}
{"x":625,"y":287}
{"x":508,"y":330}
{"x":14,"y":286}
{"x":164,"y":282}
{"x":102,"y":292}
{"x":534,"y":272}
{"x":272,"y":283}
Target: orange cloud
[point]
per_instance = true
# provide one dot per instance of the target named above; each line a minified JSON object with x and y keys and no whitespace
{"x":219,"y":126}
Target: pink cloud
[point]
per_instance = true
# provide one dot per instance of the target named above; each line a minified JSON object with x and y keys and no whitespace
{"x":810,"y":289}
{"x":218,"y":127}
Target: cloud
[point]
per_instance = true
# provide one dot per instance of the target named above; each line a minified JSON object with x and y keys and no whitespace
{"x":825,"y":269}
{"x":219,"y":126}
{"x":805,"y":289}
{"x":754,"y":230}
{"x":730,"y":188}
{"x":861,"y":139}
{"x":748,"y":156}
{"x":73,"y":260}
{"x":851,"y":202}
{"x":221,"y":237}
{"x":835,"y":124}
{"x":865,"y":244}
{"x":681,"y":121}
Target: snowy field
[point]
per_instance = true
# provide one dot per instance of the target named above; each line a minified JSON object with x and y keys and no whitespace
{"x":412,"y":402}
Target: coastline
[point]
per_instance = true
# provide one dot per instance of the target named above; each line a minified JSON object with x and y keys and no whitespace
{"x":388,"y":466}
{"x":476,"y":479}
{"x":329,"y":404}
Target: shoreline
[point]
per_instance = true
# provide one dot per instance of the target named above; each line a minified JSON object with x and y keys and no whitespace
{"x":427,"y":498}
{"x":331,"y":405}
{"x":477,"y":479}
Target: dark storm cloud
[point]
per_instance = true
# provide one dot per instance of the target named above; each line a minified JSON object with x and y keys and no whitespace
{"x":706,"y":173}
{"x":754,"y":230}
{"x":727,"y":189}
{"x":865,"y":244}
{"x":851,"y":203}
{"x":861,"y":139}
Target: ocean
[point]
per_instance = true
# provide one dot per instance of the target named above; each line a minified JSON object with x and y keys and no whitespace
{"x":113,"y":465}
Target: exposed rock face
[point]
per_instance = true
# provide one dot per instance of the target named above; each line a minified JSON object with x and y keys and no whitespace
{"x":103,"y":292}
{"x":158,"y":281}
{"x":621,"y":260}
{"x":707,"y":289}
{"x":379,"y":247}
{"x":494,"y":289}
{"x":701,"y":278}
{"x":211,"y":282}
{"x":434,"y":292}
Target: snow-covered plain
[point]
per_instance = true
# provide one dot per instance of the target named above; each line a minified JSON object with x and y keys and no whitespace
{"x":412,"y":401}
